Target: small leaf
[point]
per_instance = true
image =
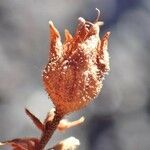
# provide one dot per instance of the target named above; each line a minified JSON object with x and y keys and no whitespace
{"x":65,"y":124}
{"x":21,"y":144}
{"x":35,"y":120}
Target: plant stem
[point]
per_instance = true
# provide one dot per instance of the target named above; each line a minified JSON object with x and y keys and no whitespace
{"x":50,"y":127}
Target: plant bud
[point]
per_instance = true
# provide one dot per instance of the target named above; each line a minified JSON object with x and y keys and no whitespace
{"x":76,"y":68}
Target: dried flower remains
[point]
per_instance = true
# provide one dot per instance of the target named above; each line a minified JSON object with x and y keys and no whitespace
{"x":76,"y":68}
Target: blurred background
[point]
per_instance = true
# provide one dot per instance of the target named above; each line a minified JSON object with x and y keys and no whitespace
{"x":119,"y":118}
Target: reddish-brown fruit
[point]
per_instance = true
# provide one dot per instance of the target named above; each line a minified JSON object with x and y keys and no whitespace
{"x":75,"y":71}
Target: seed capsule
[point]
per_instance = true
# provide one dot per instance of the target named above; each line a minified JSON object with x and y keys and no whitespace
{"x":75,"y":71}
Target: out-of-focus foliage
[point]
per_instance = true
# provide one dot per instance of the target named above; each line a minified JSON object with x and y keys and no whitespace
{"x":119,"y":118}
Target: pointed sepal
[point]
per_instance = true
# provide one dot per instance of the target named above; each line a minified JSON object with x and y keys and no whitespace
{"x":56,"y":50}
{"x":68,"y":36}
{"x":103,"y":56}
